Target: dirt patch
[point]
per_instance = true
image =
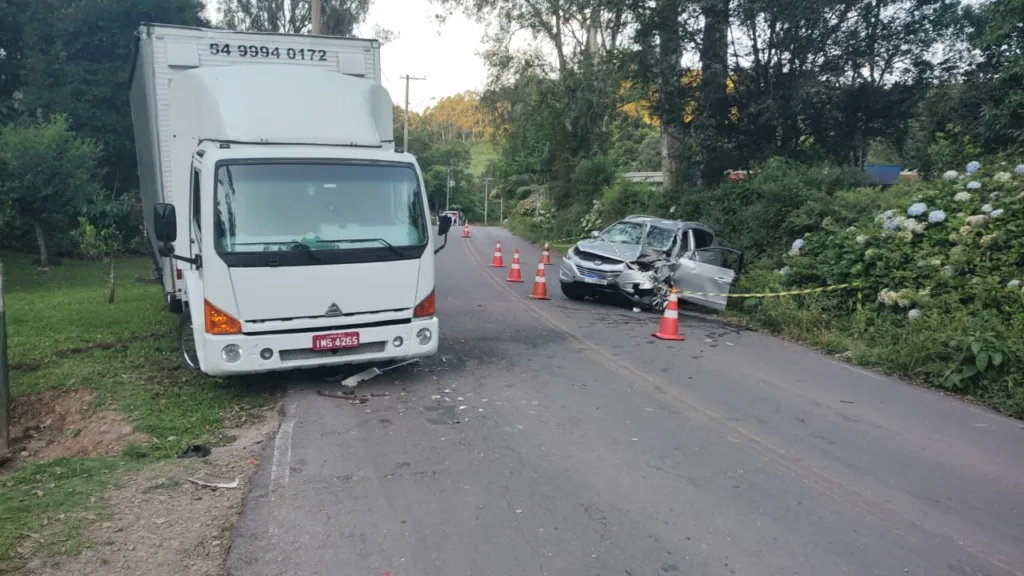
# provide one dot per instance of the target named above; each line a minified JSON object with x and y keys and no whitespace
{"x":37,"y":362}
{"x":53,"y":425}
{"x":163,"y":525}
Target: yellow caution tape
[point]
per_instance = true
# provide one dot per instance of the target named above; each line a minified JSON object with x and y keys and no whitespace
{"x":771,"y":294}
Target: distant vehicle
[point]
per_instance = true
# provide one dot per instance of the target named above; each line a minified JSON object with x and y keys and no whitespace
{"x":304,"y":238}
{"x":643,"y":257}
{"x":457,"y":218}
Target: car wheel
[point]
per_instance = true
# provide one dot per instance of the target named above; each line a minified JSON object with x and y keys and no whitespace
{"x":573,"y":292}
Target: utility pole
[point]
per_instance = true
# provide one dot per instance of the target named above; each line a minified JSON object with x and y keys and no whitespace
{"x":405,"y":137}
{"x":5,"y":380}
{"x":487,"y":187}
{"x":314,"y":12}
{"x":448,"y":193}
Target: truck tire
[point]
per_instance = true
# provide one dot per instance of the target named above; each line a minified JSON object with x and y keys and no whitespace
{"x":187,"y":341}
{"x":572,"y":292}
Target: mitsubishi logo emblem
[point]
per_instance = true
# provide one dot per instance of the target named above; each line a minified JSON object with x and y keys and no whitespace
{"x":333,"y":310}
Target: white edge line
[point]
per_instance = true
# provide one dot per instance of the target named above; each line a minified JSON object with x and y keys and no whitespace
{"x":281,"y":462}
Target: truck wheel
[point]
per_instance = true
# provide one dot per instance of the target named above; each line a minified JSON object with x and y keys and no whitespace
{"x":572,"y":292}
{"x":187,"y":341}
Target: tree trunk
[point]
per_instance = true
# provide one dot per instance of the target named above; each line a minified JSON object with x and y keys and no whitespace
{"x":113,"y":283}
{"x":671,"y":153}
{"x":671,"y":103}
{"x":44,"y":258}
{"x":713,"y":112}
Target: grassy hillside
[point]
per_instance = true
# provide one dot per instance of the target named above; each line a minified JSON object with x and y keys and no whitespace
{"x":482,"y":152}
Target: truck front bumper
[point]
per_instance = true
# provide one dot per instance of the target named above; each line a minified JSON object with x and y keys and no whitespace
{"x":295,"y":350}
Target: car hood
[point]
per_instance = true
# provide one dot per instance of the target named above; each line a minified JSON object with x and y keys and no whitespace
{"x":610,"y":250}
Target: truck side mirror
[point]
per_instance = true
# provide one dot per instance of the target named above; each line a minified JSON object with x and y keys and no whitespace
{"x":595,"y":234}
{"x":165,"y":222}
{"x":444,"y":224}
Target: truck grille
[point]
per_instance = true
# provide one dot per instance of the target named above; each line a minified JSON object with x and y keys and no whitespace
{"x":310,"y":354}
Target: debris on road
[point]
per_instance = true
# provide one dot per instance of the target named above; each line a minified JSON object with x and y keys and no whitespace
{"x":365,"y":375}
{"x":351,"y":396}
{"x":339,"y":395}
{"x":211,"y":481}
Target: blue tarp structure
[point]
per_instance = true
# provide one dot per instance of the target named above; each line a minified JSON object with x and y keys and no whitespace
{"x":882,"y":174}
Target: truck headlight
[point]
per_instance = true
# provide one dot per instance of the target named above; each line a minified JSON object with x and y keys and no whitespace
{"x":423,"y":336}
{"x":231,"y":353}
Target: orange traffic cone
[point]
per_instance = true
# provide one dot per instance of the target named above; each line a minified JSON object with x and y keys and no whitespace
{"x":515,"y":274}
{"x":497,"y":262}
{"x":540,"y":286}
{"x":669,"y":329}
{"x":545,"y":258}
{"x":465,"y":231}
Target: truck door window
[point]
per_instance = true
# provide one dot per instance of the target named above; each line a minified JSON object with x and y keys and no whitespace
{"x":196,"y":200}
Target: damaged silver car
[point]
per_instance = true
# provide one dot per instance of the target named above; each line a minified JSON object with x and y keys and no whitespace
{"x":643,"y":257}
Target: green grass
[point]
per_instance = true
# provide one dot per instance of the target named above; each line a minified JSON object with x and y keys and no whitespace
{"x":67,"y":307}
{"x":481,"y":153}
{"x":44,"y":506}
{"x":63,"y":335}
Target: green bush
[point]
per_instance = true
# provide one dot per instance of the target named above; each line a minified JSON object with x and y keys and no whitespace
{"x":47,"y":174}
{"x":760,"y":213}
{"x":939,"y":278}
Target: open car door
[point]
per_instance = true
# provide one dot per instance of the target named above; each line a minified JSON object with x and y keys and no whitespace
{"x":699,"y":272}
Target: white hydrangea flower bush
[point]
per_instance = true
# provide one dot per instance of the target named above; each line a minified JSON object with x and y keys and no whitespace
{"x":955,"y":242}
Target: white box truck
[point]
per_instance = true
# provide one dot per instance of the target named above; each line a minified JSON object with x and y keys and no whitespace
{"x":290,"y":233}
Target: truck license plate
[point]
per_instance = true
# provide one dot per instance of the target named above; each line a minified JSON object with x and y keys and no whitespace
{"x":592,"y":280}
{"x":336,"y":341}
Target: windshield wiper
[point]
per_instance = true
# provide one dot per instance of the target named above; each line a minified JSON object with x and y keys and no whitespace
{"x":309,"y":251}
{"x":354,"y":240}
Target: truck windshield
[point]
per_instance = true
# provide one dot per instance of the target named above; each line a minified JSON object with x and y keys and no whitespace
{"x":279,"y":206}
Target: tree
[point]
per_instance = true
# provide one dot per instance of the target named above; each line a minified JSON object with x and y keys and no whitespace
{"x":11,"y":32}
{"x":340,"y":17}
{"x":998,"y":35}
{"x":76,"y":56}
{"x":46,"y":175}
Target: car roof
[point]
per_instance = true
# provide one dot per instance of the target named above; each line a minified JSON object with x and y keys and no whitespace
{"x":663,"y":222}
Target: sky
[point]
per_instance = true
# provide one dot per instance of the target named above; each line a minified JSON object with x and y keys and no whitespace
{"x":446,"y":55}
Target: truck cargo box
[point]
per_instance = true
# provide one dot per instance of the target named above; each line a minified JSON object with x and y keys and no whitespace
{"x":161,"y":52}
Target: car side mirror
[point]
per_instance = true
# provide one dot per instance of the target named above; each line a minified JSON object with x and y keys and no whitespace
{"x":595,"y":234}
{"x":444,"y":224}
{"x":165,"y":223}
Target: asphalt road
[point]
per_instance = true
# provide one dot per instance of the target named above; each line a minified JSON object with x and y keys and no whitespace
{"x":558,"y":438}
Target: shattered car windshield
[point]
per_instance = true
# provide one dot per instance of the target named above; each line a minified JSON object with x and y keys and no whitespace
{"x":623,"y":233}
{"x":659,"y":238}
